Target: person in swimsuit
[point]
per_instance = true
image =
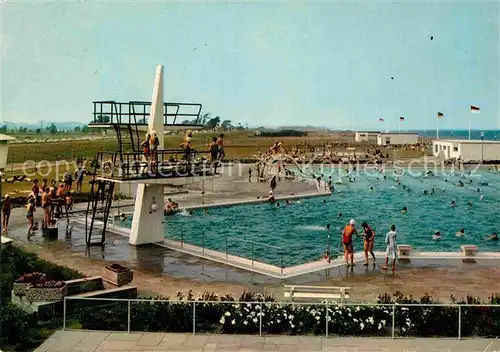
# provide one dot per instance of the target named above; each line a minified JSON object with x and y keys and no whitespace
{"x":220,"y":147}
{"x":6,"y":208}
{"x":46,"y":208}
{"x":68,"y":203}
{"x":493,"y":237}
{"x":36,"y":192}
{"x":154,"y":142}
{"x":213,"y":153}
{"x":30,"y":209}
{"x":349,"y":231}
{"x":369,"y":239}
{"x":391,"y":251}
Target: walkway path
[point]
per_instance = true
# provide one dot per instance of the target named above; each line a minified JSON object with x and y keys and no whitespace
{"x":84,"y":341}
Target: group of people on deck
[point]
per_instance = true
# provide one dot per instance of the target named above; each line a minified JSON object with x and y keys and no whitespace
{"x":368,"y":235}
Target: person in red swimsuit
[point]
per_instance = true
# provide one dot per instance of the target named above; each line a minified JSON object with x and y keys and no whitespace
{"x":349,"y":231}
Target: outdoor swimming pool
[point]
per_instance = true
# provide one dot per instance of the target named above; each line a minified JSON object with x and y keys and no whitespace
{"x":297,"y":230}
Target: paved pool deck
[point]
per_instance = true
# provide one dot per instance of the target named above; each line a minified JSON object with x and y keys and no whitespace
{"x":89,"y":341}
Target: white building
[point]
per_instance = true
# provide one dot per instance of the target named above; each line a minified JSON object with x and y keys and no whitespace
{"x":366,"y":136}
{"x":467,"y":150}
{"x":397,"y":138}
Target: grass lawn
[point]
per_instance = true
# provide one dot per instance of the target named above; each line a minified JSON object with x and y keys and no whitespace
{"x":238,"y":144}
{"x":23,"y":188}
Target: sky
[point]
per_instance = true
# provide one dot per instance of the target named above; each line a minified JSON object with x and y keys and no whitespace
{"x":331,"y":64}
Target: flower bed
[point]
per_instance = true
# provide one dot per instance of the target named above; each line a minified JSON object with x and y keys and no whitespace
{"x":47,"y":291}
{"x":295,"y":319}
{"x":20,"y":285}
{"x":117,"y":275}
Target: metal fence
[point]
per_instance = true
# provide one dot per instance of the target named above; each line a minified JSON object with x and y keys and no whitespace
{"x":394,"y":320}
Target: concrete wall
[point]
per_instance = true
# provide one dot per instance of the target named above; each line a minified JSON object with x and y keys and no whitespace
{"x":397,"y":139}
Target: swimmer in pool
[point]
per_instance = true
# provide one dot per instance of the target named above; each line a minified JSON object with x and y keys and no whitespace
{"x":371,"y":188}
{"x":277,"y":204}
{"x":493,"y":237}
{"x":460,"y":233}
{"x":436,"y":236}
{"x":452,"y":204}
{"x":340,"y":215}
{"x":481,"y":197}
{"x":123,"y":217}
{"x":404,"y":210}
{"x":469,"y":203}
{"x":425,"y":192}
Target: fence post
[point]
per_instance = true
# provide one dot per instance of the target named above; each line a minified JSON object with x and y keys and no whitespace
{"x":459,"y":323}
{"x":64,"y":313}
{"x":282,"y":262}
{"x":252,"y":253}
{"x":260,"y":321}
{"x":194,"y":318}
{"x":393,"y":318}
{"x":326,"y":318}
{"x":128,"y":317}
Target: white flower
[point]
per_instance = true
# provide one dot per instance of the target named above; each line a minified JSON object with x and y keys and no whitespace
{"x":317,"y":318}
{"x":328,"y":318}
{"x":290,"y":317}
{"x":404,"y":308}
{"x":252,"y":314}
{"x":292,"y":326}
{"x":222,"y":320}
{"x":313,"y":311}
{"x":245,"y":322}
{"x":370,"y":320}
{"x":233,"y":322}
{"x":358,"y":309}
{"x":278,"y":321}
{"x":382,"y":322}
{"x":379,"y":326}
{"x":408,"y":323}
{"x":227,"y":314}
{"x":355,"y":320}
{"x":255,"y":320}
{"x":362,"y":326}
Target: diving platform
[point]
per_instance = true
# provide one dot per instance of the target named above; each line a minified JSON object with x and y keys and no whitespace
{"x":136,"y":167}
{"x":140,"y":158}
{"x":110,"y":114}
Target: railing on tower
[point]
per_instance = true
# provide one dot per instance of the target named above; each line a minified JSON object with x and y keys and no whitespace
{"x":109,"y":113}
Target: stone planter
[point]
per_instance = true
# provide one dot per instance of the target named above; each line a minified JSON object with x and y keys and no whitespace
{"x":117,"y":277}
{"x":43,"y":294}
{"x":50,"y":233}
{"x":404,"y":252}
{"x":19,"y":288}
{"x":469,"y":251}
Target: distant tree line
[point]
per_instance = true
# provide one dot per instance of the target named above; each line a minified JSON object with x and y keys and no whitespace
{"x":282,"y":133}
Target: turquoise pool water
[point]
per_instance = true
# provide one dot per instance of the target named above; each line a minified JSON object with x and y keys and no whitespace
{"x":299,"y":231}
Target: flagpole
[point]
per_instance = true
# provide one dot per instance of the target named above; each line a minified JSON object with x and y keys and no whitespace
{"x":437,"y":128}
{"x":469,"y":121}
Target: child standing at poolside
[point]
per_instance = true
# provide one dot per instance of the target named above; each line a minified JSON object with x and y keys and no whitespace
{"x":391,"y":251}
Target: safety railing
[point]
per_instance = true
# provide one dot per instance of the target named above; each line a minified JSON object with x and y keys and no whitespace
{"x":274,"y":318}
{"x":163,"y":163}
{"x":251,"y":252}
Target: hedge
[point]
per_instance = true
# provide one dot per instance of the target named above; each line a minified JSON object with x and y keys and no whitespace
{"x":234,"y":317}
{"x":22,"y":331}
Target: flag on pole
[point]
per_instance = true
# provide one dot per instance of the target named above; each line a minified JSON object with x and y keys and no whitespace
{"x":440,"y":114}
{"x":401,"y":119}
{"x":381,"y":119}
{"x":474,"y":109}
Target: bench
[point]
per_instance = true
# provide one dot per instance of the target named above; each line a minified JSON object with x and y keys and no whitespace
{"x":317,"y":292}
